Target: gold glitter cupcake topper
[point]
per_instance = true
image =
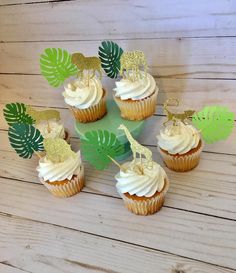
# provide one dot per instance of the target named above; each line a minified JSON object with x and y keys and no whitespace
{"x":175,"y":117}
{"x":132,"y":61}
{"x":138,"y":149}
{"x":87,"y":63}
{"x":45,"y":115}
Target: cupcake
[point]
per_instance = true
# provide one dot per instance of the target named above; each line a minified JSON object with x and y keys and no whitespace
{"x":61,"y":170}
{"x":136,"y":96}
{"x":86,"y":99}
{"x":142,"y":187}
{"x":52,"y":129}
{"x":180,"y":146}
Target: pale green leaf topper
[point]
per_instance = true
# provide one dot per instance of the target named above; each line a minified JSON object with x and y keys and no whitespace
{"x":17,"y":113}
{"x":25,"y":139}
{"x":100,"y":147}
{"x":56,"y":66}
{"x":215,"y":123}
{"x":109,"y":54}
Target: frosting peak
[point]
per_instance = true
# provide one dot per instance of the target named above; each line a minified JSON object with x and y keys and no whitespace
{"x":135,"y":90}
{"x":147,"y":184}
{"x":59,"y":171}
{"x":81,"y":95}
{"x":179,"y":138}
{"x":51,"y":129}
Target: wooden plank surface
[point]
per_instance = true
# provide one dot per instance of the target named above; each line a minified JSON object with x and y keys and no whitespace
{"x":192,"y":235}
{"x":106,"y":19}
{"x":178,"y":58}
{"x":50,"y":248}
{"x":193,"y":93}
{"x":209,"y":189}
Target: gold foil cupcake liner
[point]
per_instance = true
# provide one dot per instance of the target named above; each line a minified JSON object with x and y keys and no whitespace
{"x":182,"y":163}
{"x":92,"y":113}
{"x":148,"y":206}
{"x":138,"y":109}
{"x":66,"y":188}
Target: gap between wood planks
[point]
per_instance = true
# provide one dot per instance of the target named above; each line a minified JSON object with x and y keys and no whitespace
{"x":111,"y":239}
{"x":36,"y":2}
{"x":117,"y":197}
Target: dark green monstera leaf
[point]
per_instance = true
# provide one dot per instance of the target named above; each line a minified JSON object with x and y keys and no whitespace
{"x":99,"y":147}
{"x":215,"y":123}
{"x":56,"y":66}
{"x":109,"y":54}
{"x":17,"y":113}
{"x":25,"y":139}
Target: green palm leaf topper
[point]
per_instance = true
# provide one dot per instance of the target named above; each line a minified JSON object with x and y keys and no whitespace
{"x":99,"y":147}
{"x":215,"y":123}
{"x":56,"y":66}
{"x":109,"y":54}
{"x":25,"y":139}
{"x":17,"y":113}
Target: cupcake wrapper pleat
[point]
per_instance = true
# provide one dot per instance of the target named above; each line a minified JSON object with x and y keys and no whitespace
{"x":90,"y":114}
{"x":139,"y":109}
{"x":181,"y":163}
{"x":66,"y":189}
{"x":148,"y":206}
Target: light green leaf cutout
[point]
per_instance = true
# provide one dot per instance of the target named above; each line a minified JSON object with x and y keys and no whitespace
{"x":215,"y":123}
{"x":99,"y":146}
{"x":109,"y":54}
{"x":25,"y":139}
{"x":56,"y":66}
{"x":16,"y":113}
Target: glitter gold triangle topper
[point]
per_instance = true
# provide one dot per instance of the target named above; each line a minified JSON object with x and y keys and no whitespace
{"x":215,"y":123}
{"x":89,"y":64}
{"x":44,"y":115}
{"x":132,"y":61}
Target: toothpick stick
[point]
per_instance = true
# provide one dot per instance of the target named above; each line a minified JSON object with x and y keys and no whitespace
{"x":116,"y":163}
{"x":38,"y":154}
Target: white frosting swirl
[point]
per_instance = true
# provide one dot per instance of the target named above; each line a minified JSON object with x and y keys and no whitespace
{"x":146,"y":184}
{"x":81,"y":95}
{"x":51,"y":129}
{"x":136,"y":90}
{"x":49,"y":171}
{"x":178,"y":139}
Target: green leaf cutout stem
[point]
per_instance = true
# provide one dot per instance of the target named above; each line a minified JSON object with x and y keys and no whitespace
{"x":99,"y":146}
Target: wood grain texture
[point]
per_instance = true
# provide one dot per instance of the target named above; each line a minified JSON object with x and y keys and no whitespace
{"x":209,"y":189}
{"x":153,"y":19}
{"x":35,"y":247}
{"x":193,"y":93}
{"x":152,"y":126}
{"x":178,"y":58}
{"x":191,"y":235}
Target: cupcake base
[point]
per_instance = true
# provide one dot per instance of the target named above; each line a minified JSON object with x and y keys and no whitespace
{"x":145,"y":205}
{"x":137,"y":109}
{"x":184,"y":162}
{"x":66,"y":188}
{"x":92,"y":113}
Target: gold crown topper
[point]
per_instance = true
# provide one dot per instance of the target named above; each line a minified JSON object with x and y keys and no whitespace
{"x":87,"y":63}
{"x":174,"y":117}
{"x":132,"y":61}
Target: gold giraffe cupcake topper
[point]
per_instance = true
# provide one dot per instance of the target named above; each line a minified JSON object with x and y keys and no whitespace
{"x":175,"y":117}
{"x":132,"y":61}
{"x":91,"y":64}
{"x":138,"y":149}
